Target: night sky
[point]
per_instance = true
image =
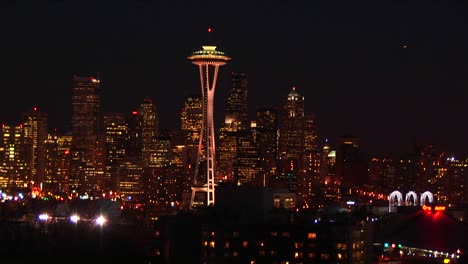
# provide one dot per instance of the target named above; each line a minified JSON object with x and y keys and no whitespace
{"x":391,"y":72}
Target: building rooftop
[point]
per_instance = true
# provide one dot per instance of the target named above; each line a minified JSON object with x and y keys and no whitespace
{"x":209,"y":53}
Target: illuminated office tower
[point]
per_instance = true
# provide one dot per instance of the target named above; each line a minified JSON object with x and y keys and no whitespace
{"x":267,"y":140}
{"x":88,"y":159}
{"x":227,"y":153}
{"x":234,"y":132}
{"x":134,"y":141}
{"x":116,"y":129}
{"x":130,"y":179}
{"x":239,"y":158}
{"x":57,"y":160}
{"x":457,"y":181}
{"x":191,"y":117}
{"x":247,"y":162}
{"x":291,"y":141}
{"x":328,"y":165}
{"x":35,"y":128}
{"x":431,"y":171}
{"x":309,"y":168}
{"x":149,"y":129}
{"x":15,"y":157}
{"x":50,"y":180}
{"x":236,"y":102}
{"x":208,"y":61}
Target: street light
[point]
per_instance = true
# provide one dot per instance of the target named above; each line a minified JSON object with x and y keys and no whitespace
{"x":74,"y":218}
{"x":43,"y":217}
{"x":100,"y":220}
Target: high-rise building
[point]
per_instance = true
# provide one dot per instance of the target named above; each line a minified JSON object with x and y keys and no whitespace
{"x":309,"y":167}
{"x":149,"y":129}
{"x":57,"y":159}
{"x":35,"y":128}
{"x":134,"y":140}
{"x":130,"y":181}
{"x":116,"y":130}
{"x":227,"y":153}
{"x":191,"y":117}
{"x":236,"y":151}
{"x":351,"y":166}
{"x":457,"y":181}
{"x":208,"y":61}
{"x":291,"y":141}
{"x":382,"y":174}
{"x":236,"y":102}
{"x":15,"y":157}
{"x":431,"y":171}
{"x":267,"y":141}
{"x":63,"y":169}
{"x":87,"y":151}
{"x":247,"y":162}
{"x":328,"y":165}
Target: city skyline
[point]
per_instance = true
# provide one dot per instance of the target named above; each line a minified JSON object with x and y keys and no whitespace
{"x":403,"y":61}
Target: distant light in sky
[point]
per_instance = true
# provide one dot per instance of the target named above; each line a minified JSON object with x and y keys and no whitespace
{"x":209,"y":29}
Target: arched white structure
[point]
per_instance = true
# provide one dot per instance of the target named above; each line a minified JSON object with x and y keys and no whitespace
{"x":391,"y":201}
{"x":427,"y":195}
{"x":396,"y":199}
{"x":408,"y":197}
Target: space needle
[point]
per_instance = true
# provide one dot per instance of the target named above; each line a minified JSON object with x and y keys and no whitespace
{"x":208,"y":61}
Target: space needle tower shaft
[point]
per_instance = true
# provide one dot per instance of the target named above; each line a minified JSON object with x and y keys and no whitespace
{"x":208,"y":61}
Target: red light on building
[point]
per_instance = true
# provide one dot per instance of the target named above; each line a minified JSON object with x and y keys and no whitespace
{"x":134,"y":113}
{"x":67,"y":152}
{"x":35,"y":108}
{"x":209,"y":29}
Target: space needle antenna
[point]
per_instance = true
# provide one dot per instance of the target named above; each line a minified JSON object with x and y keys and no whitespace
{"x":208,"y":60}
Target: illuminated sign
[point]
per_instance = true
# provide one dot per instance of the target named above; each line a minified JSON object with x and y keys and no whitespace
{"x":433,"y":208}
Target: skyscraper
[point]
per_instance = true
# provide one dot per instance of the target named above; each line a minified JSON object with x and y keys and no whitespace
{"x":309,"y":172}
{"x":149,"y":129}
{"x":35,"y":128}
{"x":15,"y":157}
{"x":291,"y":141}
{"x":236,"y":102}
{"x":267,"y":141}
{"x":235,"y":136}
{"x":134,"y":141}
{"x":191,"y":117}
{"x":116,"y":130}
{"x":208,"y":61}
{"x":88,"y":160}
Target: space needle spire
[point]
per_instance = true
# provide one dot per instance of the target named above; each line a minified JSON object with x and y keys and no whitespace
{"x":208,"y":60}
